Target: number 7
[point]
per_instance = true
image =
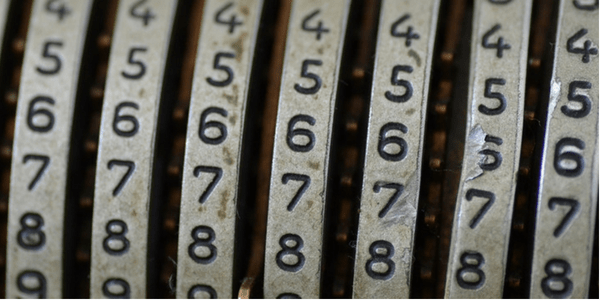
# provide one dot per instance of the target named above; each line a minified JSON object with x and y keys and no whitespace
{"x":484,"y":209}
{"x":45,"y":162}
{"x":211,"y":186}
{"x":562,"y":226}
{"x":388,"y":185}
{"x":305,"y":184}
{"x":130,"y":169}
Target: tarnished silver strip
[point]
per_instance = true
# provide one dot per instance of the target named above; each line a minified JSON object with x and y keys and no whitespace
{"x":301,"y":153}
{"x":122,"y":195}
{"x":568,"y":192}
{"x":484,"y":205}
{"x":40,"y":158}
{"x":392,"y":170}
{"x":214,"y":147}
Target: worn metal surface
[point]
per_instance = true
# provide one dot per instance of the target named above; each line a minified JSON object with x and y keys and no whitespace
{"x":301,"y":153}
{"x":568,"y":191}
{"x":484,"y":205}
{"x":122,"y":197}
{"x":44,"y":119}
{"x":392,"y":168}
{"x":217,"y":118}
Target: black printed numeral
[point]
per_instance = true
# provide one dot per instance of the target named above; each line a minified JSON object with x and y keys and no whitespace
{"x":487,"y":93}
{"x":59,"y":8}
{"x":201,"y":288}
{"x":500,"y":46}
{"x":137,"y":63}
{"x":291,"y":244}
{"x":288,"y":296}
{"x":583,"y":100}
{"x":116,"y":284}
{"x":590,"y":7}
{"x":206,"y":126}
{"x":496,"y":156}
{"x":558,"y":271}
{"x":123,"y":130}
{"x":203,"y":237}
{"x":378,"y":257}
{"x":491,"y":197}
{"x":301,"y":132}
{"x":471,"y":262}
{"x":138,"y":12}
{"x":569,"y":216}
{"x":116,"y":243}
{"x":45,"y":162}
{"x":385,"y":140}
{"x":408,"y":88}
{"x":35,"y":286}
{"x":55,"y":58}
{"x":409,"y":35}
{"x":218,"y":66}
{"x":569,"y":163}
{"x":36,"y":113}
{"x":232,"y":22}
{"x":587,"y":48}
{"x":218,"y":174}
{"x":319,"y":29}
{"x":303,"y":187}
{"x":31,"y":236}
{"x":130,"y":169}
{"x":312,"y":76}
{"x":398,"y":189}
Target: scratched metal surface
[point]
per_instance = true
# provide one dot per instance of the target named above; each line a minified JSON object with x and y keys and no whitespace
{"x":441,"y":156}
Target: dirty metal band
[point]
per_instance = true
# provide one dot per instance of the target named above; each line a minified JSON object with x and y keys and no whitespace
{"x":212,"y":168}
{"x":41,"y":149}
{"x":123,"y":193}
{"x":568,"y":193}
{"x":394,"y":147}
{"x":495,"y":108}
{"x":301,"y":155}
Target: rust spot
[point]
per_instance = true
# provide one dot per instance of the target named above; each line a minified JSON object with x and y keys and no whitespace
{"x":232,"y":99}
{"x":410,"y":112}
{"x":233,"y":119}
{"x":320,"y":50}
{"x":142,"y":93}
{"x":228,"y":157}
{"x":314,"y":165}
{"x":309,"y":204}
{"x":224,"y":197}
{"x":238,"y":46}
{"x":244,"y":10}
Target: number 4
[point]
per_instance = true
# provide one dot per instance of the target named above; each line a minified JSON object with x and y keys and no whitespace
{"x":318,"y":29}
{"x":232,"y":22}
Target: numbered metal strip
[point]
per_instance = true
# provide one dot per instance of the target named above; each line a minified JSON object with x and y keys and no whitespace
{"x":482,"y":220}
{"x":568,"y":192}
{"x":212,"y":164}
{"x":302,"y":144}
{"x":392,"y":170}
{"x":40,"y":158}
{"x":122,"y":196}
